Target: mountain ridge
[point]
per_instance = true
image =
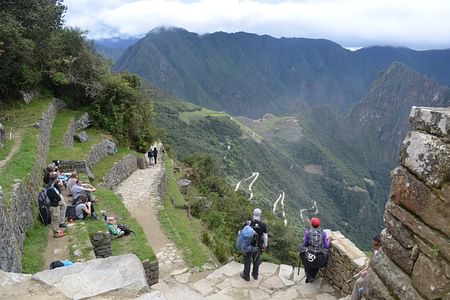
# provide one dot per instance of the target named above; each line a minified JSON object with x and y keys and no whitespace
{"x":248,"y":74}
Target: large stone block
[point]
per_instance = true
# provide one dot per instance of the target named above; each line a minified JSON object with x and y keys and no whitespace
{"x":433,"y":120}
{"x":83,"y":122}
{"x":401,"y":256}
{"x":399,"y":231}
{"x":393,"y":277}
{"x":411,"y":193}
{"x":376,"y":290}
{"x":427,"y":156}
{"x":429,"y":278}
{"x":98,"y":276}
{"x":414,"y":224}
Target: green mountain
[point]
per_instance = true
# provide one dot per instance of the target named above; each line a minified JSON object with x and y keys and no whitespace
{"x":248,"y":74}
{"x":379,"y":122}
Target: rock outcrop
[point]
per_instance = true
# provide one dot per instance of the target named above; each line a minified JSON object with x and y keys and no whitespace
{"x":414,"y":262}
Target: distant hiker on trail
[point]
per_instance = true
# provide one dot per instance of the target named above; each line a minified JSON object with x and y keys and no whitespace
{"x":314,"y":251}
{"x":155,"y":155}
{"x":258,"y":243}
{"x":57,"y":206}
{"x":361,"y":283}
{"x":150,"y":156}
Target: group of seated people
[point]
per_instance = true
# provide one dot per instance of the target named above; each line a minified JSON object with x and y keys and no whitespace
{"x":82,"y":198}
{"x":82,"y":205}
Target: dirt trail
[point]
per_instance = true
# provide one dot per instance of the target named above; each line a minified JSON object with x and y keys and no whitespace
{"x":17,"y":137}
{"x":140,"y":196}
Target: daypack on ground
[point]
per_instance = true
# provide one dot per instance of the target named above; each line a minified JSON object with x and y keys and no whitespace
{"x":71,"y":213}
{"x":244,"y":239}
{"x":44,"y":207}
{"x":125,"y":229}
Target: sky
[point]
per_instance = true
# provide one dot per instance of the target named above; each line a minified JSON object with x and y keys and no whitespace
{"x":417,"y":24}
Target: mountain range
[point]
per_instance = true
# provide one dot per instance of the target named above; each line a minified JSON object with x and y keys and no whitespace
{"x":247,"y":74}
{"x":321,"y":123}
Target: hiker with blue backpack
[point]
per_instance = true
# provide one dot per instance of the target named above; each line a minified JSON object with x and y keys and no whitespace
{"x":315,"y":249}
{"x":252,"y":240}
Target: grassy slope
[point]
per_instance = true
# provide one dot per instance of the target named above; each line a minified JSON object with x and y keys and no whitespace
{"x":36,"y":241}
{"x":184,"y":231}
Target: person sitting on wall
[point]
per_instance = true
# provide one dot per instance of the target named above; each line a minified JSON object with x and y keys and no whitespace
{"x":361,"y":283}
{"x":85,"y":208}
{"x":80,"y":188}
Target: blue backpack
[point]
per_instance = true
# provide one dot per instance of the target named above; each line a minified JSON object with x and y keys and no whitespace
{"x":244,"y":239}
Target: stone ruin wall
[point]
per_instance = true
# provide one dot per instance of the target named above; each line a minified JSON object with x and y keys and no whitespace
{"x":80,"y":123}
{"x":120,"y":171}
{"x":17,"y":216}
{"x":414,"y":262}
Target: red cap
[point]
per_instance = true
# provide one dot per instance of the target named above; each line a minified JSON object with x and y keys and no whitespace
{"x":315,"y":222}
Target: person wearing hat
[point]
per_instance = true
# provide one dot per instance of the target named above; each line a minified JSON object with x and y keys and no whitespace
{"x":314,"y":252}
{"x":258,"y":244}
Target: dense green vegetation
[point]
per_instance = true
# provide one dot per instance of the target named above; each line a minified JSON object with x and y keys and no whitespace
{"x":61,"y":60}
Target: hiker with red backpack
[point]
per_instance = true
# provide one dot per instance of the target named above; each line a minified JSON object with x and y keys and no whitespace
{"x":252,"y":240}
{"x":315,"y":249}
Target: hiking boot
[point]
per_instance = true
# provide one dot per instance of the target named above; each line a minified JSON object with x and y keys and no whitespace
{"x":245,"y":278}
{"x":62,"y":225}
{"x":255,"y":276}
{"x":58,"y":234}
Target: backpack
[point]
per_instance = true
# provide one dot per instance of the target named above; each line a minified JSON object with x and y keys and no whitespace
{"x":315,"y":241}
{"x":44,"y":207}
{"x":125,"y":229}
{"x":245,"y":238}
{"x":71,"y":213}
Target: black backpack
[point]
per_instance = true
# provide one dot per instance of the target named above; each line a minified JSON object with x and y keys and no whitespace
{"x":315,"y":241}
{"x":44,"y":207}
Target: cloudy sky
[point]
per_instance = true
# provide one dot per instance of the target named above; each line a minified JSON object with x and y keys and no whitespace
{"x":418,"y":24}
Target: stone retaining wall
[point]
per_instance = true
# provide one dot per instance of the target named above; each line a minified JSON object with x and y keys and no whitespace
{"x":120,"y":171}
{"x":2,"y":135}
{"x":96,"y":154}
{"x":151,"y":269}
{"x":415,"y":260}
{"x":17,"y":218}
{"x":345,"y":261}
{"x":70,"y":132}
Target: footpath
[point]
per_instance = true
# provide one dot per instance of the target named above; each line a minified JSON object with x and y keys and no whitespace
{"x":140,"y":196}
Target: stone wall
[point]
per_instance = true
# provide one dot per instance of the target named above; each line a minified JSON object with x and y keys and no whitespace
{"x":415,"y":259}
{"x":97,"y":153}
{"x":120,"y":171}
{"x":70,"y":132}
{"x":345,"y":261}
{"x":151,"y":269}
{"x":17,"y":218}
{"x":2,"y":135}
{"x":101,"y":241}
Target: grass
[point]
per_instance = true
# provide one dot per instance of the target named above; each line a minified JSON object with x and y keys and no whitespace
{"x":21,"y":163}
{"x":183,"y":231}
{"x":79,"y":150}
{"x":135,"y":243}
{"x":105,"y":165}
{"x":34,"y":245}
{"x":23,"y":115}
{"x":189,"y":116}
{"x":60,"y":126}
{"x":4,"y":151}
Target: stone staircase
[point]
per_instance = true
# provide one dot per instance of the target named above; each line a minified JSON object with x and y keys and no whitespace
{"x":274,"y":282}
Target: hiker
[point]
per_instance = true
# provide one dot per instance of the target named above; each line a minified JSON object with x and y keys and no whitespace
{"x":71,"y":182}
{"x":259,"y":243}
{"x":49,"y":170}
{"x":314,"y":251}
{"x":80,"y":188}
{"x":113,"y":229}
{"x":150,"y":155}
{"x":155,"y":155}
{"x":361,"y":283}
{"x":85,"y":208}
{"x":57,"y":206}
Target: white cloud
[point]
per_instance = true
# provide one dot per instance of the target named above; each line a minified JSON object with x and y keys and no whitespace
{"x":352,"y":23}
